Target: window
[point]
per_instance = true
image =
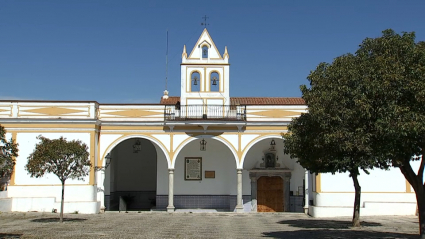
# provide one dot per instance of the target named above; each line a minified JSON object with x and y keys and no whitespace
{"x":215,"y":82}
{"x":205,"y":52}
{"x":195,"y":79}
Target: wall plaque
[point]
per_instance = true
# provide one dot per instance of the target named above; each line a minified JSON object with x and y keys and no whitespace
{"x":193,"y":168}
{"x":209,"y":174}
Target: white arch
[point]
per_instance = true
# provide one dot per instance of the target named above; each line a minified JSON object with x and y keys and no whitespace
{"x":229,"y":146}
{"x":152,"y":139}
{"x":252,"y":143}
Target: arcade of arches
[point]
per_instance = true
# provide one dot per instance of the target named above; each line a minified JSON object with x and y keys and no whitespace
{"x":139,"y":180}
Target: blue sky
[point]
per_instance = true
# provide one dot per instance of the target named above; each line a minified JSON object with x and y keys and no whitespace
{"x":114,"y":51}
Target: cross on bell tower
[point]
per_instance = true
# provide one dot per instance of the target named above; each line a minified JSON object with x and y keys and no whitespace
{"x":205,"y":21}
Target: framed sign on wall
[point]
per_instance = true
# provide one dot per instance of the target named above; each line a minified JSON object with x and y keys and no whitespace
{"x":193,"y":168}
{"x":209,"y":174}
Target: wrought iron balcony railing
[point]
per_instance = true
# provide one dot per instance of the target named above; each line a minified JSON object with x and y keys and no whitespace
{"x":205,"y":112}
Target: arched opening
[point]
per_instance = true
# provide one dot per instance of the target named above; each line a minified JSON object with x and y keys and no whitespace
{"x":283,"y":181}
{"x":205,"y":52}
{"x":205,"y":179}
{"x":131,"y":178}
{"x":195,"y":82}
{"x":214,"y":82}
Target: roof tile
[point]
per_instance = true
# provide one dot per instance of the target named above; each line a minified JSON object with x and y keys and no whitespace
{"x":172,"y":100}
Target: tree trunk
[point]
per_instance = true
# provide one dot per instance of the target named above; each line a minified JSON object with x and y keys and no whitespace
{"x":358,"y":190}
{"x":63,"y":193}
{"x":420,"y":198}
{"x":417,"y":184}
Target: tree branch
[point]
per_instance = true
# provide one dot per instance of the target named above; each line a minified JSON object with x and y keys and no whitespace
{"x":409,"y":174}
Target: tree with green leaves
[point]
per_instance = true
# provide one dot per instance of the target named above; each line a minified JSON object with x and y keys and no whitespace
{"x":366,"y":110}
{"x":335,"y":136}
{"x":8,"y":153}
{"x":393,"y":70}
{"x":65,"y":159}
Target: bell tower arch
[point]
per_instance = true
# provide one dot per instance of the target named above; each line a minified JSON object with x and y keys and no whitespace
{"x":205,"y":74}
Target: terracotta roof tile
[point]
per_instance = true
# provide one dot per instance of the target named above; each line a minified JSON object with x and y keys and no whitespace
{"x":172,"y":100}
{"x":266,"y":101}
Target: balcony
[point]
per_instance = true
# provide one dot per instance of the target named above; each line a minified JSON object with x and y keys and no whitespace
{"x":205,"y":112}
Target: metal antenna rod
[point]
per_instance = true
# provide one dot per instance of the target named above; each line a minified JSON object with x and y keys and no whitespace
{"x":166,"y":64}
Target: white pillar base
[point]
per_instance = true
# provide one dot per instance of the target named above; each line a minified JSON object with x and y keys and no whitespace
{"x":170,"y":209}
{"x":239,"y":209}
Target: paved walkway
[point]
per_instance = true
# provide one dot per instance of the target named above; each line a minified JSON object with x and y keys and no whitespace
{"x":201,"y":225}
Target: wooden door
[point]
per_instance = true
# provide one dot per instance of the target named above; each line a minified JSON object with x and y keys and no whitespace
{"x":270,"y":194}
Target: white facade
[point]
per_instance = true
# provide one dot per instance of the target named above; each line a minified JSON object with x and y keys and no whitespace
{"x":240,"y":139}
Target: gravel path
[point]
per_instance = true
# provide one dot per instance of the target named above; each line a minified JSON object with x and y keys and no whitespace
{"x":201,"y":225}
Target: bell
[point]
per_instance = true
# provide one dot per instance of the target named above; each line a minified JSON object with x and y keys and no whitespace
{"x":214,"y":81}
{"x":195,"y":82}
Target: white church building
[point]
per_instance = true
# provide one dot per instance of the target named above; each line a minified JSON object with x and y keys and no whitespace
{"x":201,"y":150}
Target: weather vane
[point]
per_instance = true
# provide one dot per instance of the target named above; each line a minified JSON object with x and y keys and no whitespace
{"x":205,"y":21}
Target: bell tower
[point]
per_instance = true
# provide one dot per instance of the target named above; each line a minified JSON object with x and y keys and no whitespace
{"x":205,"y":74}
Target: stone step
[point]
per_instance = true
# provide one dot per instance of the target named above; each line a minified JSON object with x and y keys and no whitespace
{"x":5,"y":204}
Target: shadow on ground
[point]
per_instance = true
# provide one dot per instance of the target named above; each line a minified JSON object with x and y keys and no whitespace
{"x":330,"y":224}
{"x":9,"y":235}
{"x":308,"y":234}
{"x":56,"y":219}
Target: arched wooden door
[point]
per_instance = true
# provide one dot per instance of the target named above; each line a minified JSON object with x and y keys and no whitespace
{"x":270,"y":194}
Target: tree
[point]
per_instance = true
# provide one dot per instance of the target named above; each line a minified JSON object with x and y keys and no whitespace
{"x":65,"y":159}
{"x":8,"y":153}
{"x":335,"y":135}
{"x":384,"y":85}
{"x":393,"y":68}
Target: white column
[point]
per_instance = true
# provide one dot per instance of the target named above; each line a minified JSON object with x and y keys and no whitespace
{"x":306,"y":192}
{"x":170,"y":207}
{"x":253,"y":194}
{"x":101,"y":189}
{"x":239,"y":205}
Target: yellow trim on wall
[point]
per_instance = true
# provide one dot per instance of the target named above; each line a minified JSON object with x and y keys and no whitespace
{"x":198,"y":42}
{"x":12,"y":177}
{"x":204,"y":79}
{"x":48,"y":126}
{"x":266,"y":128}
{"x":318,"y":183}
{"x":98,"y":150}
{"x":408,"y":187}
{"x":220,"y":79}
{"x":108,"y":149}
{"x":92,"y":158}
{"x":196,"y":98}
{"x":132,"y":113}
{"x":277,"y":113}
{"x":192,"y":136}
{"x":125,"y":127}
{"x":260,"y":135}
{"x":7,"y":110}
{"x":190,"y":81}
{"x":240,"y":147}
{"x":54,"y":110}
